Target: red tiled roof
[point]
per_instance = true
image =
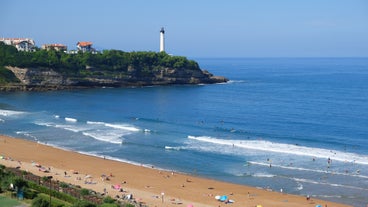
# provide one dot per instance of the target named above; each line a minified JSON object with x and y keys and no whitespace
{"x":84,"y":44}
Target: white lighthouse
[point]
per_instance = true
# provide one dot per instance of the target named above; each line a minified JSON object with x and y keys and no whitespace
{"x":162,"y":40}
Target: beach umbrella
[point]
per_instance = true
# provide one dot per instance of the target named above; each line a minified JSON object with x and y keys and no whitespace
{"x":318,"y":206}
{"x":217,"y":197}
{"x":223,"y":198}
{"x":259,"y":205}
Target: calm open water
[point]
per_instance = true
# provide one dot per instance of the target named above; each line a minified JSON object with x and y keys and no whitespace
{"x":299,"y":124}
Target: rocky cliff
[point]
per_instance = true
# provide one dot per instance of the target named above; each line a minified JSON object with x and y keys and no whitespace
{"x":42,"y":79}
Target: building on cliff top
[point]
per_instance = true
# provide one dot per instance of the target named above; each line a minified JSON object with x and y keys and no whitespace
{"x":22,"y":44}
{"x":57,"y":47}
{"x":85,"y":47}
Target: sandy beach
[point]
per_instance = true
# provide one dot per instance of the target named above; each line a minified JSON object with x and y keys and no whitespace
{"x":149,"y":185}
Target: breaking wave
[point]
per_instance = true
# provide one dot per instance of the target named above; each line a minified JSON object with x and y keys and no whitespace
{"x":263,"y":145}
{"x":10,"y":113}
{"x":116,"y":126}
{"x":101,"y":131}
{"x":68,"y":119}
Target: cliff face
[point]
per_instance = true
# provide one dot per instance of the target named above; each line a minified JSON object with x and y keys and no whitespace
{"x":48,"y":79}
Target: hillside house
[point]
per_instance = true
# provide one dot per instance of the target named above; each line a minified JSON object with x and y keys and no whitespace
{"x":57,"y":47}
{"x":22,"y":44}
{"x":85,"y":47}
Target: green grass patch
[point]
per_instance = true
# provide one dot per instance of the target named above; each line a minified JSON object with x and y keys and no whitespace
{"x":8,"y":202}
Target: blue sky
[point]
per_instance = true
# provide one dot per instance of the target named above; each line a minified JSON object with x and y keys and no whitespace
{"x":197,"y":28}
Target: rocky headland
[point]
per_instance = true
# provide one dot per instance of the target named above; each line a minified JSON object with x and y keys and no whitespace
{"x":44,"y":70}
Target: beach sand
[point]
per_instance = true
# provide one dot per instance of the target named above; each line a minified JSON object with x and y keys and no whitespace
{"x":148,"y":185}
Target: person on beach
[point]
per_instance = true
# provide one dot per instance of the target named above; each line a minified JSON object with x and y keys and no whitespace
{"x":162,"y":197}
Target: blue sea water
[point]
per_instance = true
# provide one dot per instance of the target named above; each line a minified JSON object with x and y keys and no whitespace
{"x":275,"y":124}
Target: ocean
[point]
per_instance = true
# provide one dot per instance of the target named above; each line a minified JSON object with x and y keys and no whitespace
{"x":296,"y":124}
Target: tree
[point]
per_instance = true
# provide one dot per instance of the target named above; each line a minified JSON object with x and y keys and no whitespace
{"x":8,"y":54}
{"x":19,"y":183}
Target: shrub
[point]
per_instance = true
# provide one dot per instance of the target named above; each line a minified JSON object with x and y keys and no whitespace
{"x":30,"y":194}
{"x":40,"y":202}
{"x":83,"y":204}
{"x":109,"y":205}
{"x":84,"y":192}
{"x":55,"y":194}
{"x":108,"y":199}
{"x":64,"y":185}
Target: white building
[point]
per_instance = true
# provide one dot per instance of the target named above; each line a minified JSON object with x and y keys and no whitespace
{"x":85,"y":47}
{"x":162,"y":40}
{"x":57,"y":47}
{"x":22,"y":44}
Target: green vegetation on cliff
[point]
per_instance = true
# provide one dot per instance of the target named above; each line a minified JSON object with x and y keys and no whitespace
{"x":82,"y":63}
{"x":6,"y":76}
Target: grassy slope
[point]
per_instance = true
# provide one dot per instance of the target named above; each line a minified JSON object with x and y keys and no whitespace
{"x":8,"y":202}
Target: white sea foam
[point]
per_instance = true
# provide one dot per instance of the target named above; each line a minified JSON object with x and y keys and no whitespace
{"x":288,"y":167}
{"x":95,"y":122}
{"x":47,"y":124}
{"x":115,"y":126}
{"x":104,"y":137}
{"x":122,"y":126}
{"x":263,"y":175}
{"x":328,"y":196}
{"x":102,"y":131}
{"x":73,"y":128}
{"x":70,"y":128}
{"x":98,"y":154}
{"x":299,"y":187}
{"x":262,"y":145}
{"x":68,"y":119}
{"x":308,"y":170}
{"x":10,"y":113}
{"x":27,"y":134}
{"x":172,"y":148}
{"x":235,"y":81}
{"x":302,"y":180}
